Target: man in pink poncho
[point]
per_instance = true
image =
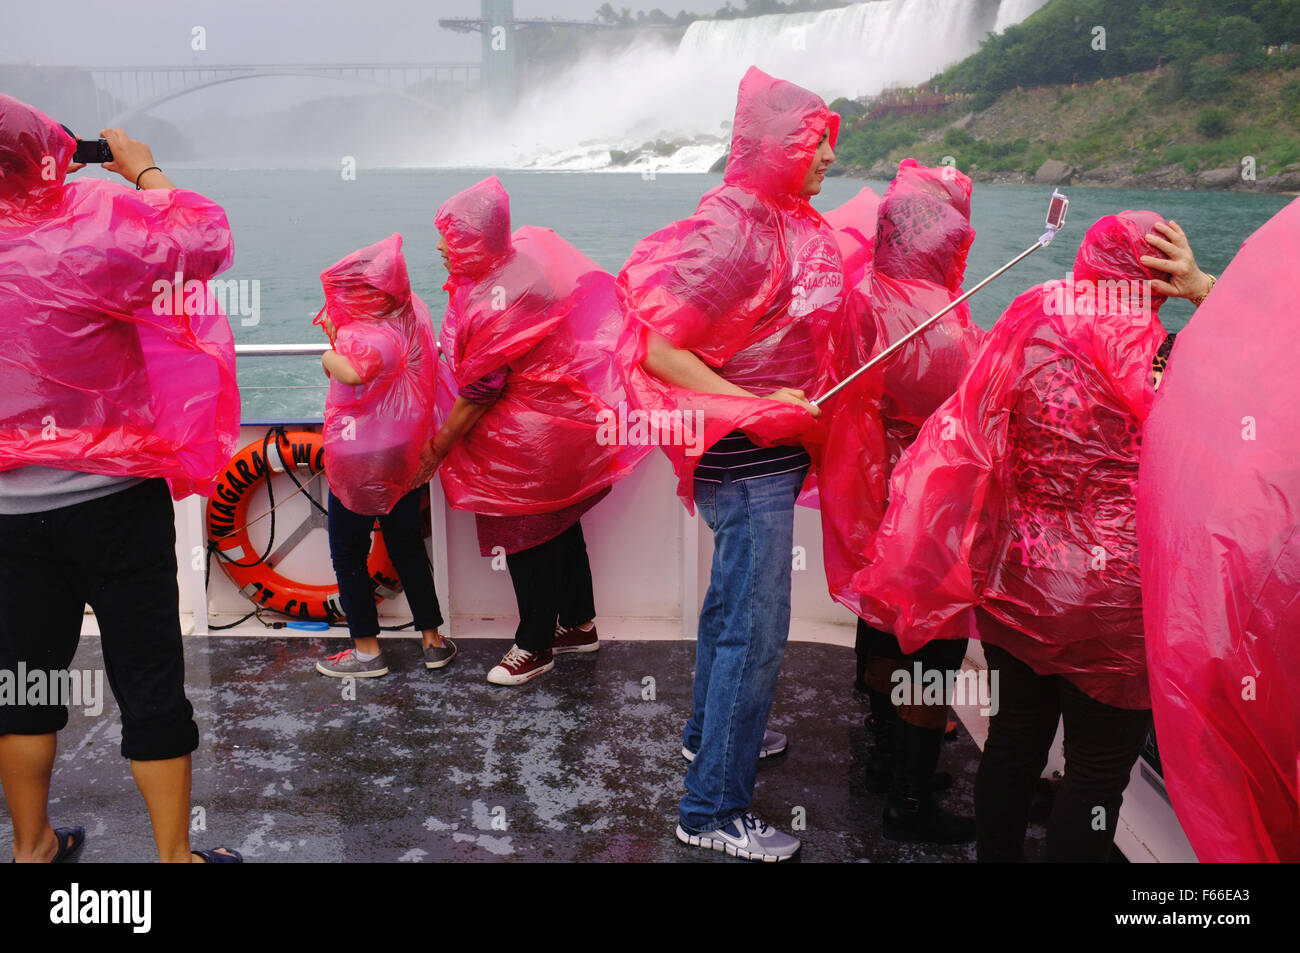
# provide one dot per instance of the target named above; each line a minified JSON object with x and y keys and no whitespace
{"x":108,"y":390}
{"x":1016,"y":504}
{"x":528,"y":378}
{"x":728,"y":315}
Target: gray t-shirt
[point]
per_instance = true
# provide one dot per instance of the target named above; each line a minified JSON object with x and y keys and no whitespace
{"x":34,"y":489}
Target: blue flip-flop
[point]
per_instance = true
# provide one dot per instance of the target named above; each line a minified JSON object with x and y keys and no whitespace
{"x":215,"y":857}
{"x":71,"y":840}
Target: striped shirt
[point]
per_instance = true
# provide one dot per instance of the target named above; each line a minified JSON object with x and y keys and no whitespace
{"x":487,"y":388}
{"x":737,"y":455}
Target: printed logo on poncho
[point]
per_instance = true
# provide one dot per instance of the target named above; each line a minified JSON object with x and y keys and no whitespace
{"x":817,"y":275}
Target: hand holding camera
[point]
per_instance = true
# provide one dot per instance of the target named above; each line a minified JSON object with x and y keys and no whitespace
{"x":118,"y":152}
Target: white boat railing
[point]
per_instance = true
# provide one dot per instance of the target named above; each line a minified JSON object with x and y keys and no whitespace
{"x":650,"y":561}
{"x":280,"y":350}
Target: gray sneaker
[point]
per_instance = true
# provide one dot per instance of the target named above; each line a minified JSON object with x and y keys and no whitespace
{"x":437,"y":656}
{"x":746,"y":837}
{"x":774,"y":743}
{"x":347,"y":665}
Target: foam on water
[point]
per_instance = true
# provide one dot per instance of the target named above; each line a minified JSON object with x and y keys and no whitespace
{"x":596,"y":158}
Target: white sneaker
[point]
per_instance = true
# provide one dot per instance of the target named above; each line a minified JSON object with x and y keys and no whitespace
{"x":774,"y":743}
{"x":746,"y":837}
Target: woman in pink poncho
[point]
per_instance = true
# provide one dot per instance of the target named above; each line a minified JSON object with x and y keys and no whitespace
{"x":115,"y":380}
{"x":1015,"y":509}
{"x":922,"y":236}
{"x":527,"y":344}
{"x":378,"y":417}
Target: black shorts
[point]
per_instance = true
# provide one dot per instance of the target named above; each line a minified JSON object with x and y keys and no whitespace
{"x":118,"y":554}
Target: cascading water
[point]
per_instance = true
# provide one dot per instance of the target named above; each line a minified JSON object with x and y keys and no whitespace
{"x":1012,"y":12}
{"x":651,"y":91}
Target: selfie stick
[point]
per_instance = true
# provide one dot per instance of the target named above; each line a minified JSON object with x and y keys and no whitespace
{"x":1054,"y":225}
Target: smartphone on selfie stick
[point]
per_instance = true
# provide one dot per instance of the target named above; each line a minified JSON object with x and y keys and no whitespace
{"x":1056,"y":212}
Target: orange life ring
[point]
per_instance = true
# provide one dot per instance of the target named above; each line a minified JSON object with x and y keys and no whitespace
{"x":227,"y":518}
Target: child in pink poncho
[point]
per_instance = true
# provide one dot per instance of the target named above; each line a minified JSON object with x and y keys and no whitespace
{"x":378,"y":415}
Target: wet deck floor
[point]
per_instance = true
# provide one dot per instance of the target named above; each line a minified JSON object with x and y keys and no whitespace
{"x":442,"y":766}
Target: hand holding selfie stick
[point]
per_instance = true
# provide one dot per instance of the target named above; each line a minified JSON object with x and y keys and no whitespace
{"x":1055,"y":220}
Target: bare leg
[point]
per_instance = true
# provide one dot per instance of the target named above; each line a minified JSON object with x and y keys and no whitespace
{"x":26,"y":763}
{"x":166,"y":789}
{"x":432,"y":638}
{"x":370,"y":646}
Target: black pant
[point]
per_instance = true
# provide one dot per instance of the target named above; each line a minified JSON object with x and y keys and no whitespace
{"x":881,"y":659}
{"x":872,"y":643}
{"x":350,"y":547}
{"x":552,"y":582}
{"x":118,"y":554}
{"x":1102,"y":743}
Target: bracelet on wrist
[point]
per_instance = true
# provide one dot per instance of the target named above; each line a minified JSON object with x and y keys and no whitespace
{"x":141,"y":175}
{"x":1197,"y":301}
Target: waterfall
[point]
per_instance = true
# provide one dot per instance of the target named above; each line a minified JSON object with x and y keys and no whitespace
{"x":651,"y":91}
{"x":851,"y":51}
{"x":1012,"y":12}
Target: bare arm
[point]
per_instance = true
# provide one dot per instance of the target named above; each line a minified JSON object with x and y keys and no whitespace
{"x":340,"y":368}
{"x":683,"y":368}
{"x":130,"y":158}
{"x":464,"y":415}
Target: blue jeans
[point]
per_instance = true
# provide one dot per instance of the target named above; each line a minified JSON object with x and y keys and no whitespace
{"x":743,"y":629}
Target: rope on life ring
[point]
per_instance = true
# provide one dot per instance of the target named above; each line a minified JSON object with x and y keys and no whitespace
{"x":290,"y":453}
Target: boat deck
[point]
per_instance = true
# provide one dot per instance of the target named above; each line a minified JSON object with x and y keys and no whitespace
{"x":442,"y":766}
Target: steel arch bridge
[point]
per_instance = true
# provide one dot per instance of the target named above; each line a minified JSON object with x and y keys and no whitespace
{"x":122,"y":92}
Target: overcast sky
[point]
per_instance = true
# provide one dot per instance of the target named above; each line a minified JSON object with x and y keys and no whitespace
{"x":148,"y":32}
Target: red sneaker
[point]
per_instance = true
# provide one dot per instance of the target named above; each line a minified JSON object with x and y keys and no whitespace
{"x":519,"y":666}
{"x":575,"y":639}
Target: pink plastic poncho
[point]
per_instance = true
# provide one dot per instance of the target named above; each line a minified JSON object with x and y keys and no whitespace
{"x":375,"y":431}
{"x":536,"y":305}
{"x":752,"y":284}
{"x":851,"y":468}
{"x":854,"y":223}
{"x":918,"y":263}
{"x":1219,"y":526}
{"x":853,"y":341}
{"x":108,"y":364}
{"x":912,"y":268}
{"x":1018,"y":495}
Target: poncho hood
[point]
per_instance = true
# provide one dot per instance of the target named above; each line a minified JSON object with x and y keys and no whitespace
{"x":923,"y":230}
{"x":34,"y":157}
{"x":476,"y":225}
{"x":777,"y":130}
{"x":1113,"y":249}
{"x":369,"y":284}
